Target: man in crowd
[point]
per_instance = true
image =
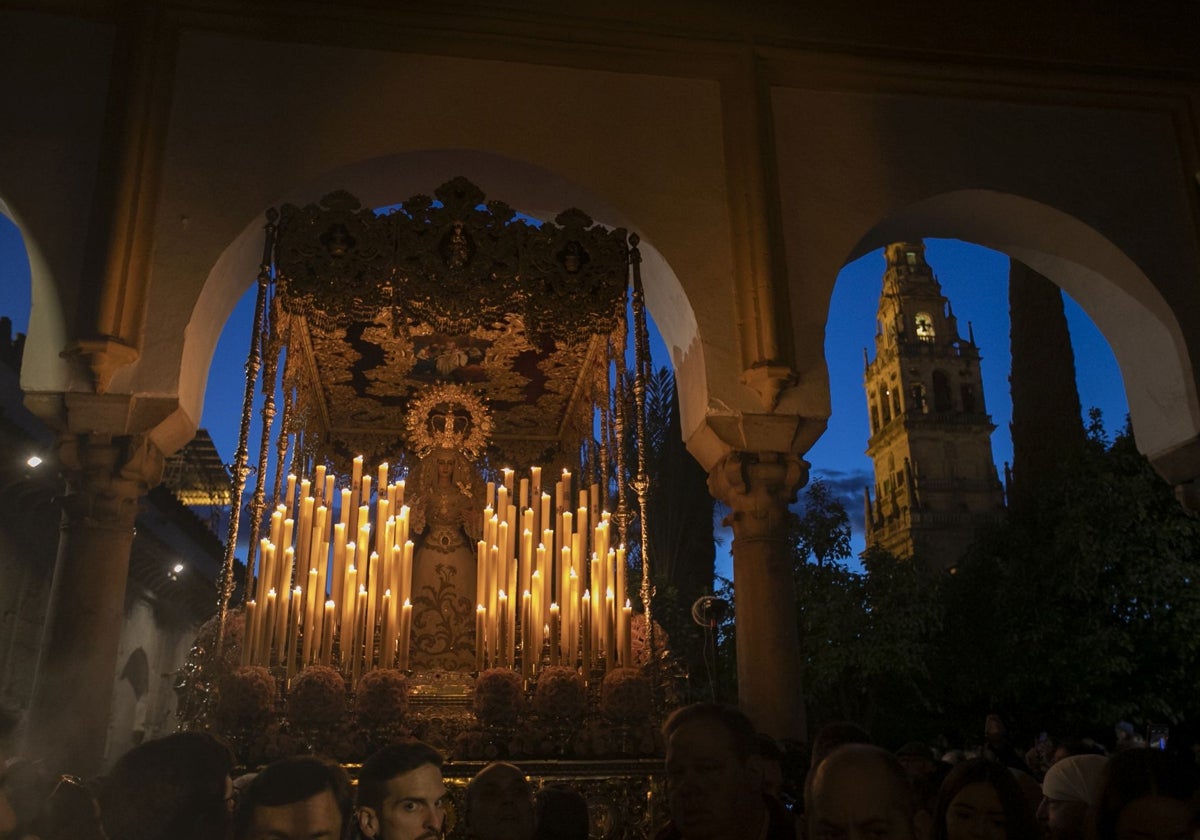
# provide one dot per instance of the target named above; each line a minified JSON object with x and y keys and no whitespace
{"x":173,"y":788}
{"x":298,"y":798}
{"x":715,"y":778}
{"x":401,"y":795}
{"x":1071,"y":787}
{"x":860,"y":791}
{"x":500,"y":804}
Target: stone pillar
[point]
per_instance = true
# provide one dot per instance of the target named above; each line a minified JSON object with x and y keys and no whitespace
{"x":758,"y":486}
{"x":105,"y":477}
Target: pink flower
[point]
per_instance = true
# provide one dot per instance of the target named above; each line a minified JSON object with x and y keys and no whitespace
{"x":246,"y":697}
{"x":499,"y":697}
{"x":560,"y":694}
{"x":382,"y":697}
{"x":317,"y":697}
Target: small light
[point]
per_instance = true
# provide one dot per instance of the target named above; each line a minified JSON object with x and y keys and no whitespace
{"x":33,"y":460}
{"x":178,"y":568}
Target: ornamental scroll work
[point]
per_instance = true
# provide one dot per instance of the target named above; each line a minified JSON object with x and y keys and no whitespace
{"x":455,"y":262}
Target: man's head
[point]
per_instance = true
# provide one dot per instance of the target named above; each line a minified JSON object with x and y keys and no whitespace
{"x":714,"y":772}
{"x":172,"y":787}
{"x":833,"y":735}
{"x":298,"y":798}
{"x":400,"y":793}
{"x":500,"y":804}
{"x":859,"y":791}
{"x":1070,"y":788}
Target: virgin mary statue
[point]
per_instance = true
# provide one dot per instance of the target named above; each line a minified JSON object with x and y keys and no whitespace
{"x":445,"y":493}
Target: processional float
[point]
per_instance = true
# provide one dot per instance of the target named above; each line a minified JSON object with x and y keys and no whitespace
{"x":436,"y":535}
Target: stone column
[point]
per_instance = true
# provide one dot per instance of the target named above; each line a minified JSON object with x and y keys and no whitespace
{"x":105,"y":477}
{"x":758,"y":486}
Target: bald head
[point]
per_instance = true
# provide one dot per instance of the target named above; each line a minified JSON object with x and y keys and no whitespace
{"x":859,"y":791}
{"x":500,"y":803}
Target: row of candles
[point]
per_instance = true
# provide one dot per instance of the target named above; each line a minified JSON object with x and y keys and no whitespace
{"x":358,"y":585}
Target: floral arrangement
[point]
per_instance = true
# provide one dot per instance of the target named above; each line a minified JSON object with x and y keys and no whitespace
{"x":625,"y":696}
{"x":246,"y":697}
{"x":499,"y":697}
{"x":317,"y":697}
{"x":560,"y":694}
{"x":382,"y":698}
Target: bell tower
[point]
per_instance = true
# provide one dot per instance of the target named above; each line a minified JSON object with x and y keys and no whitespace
{"x":935,"y":478}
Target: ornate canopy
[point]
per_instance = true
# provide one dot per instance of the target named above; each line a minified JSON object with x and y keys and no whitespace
{"x":378,"y":306}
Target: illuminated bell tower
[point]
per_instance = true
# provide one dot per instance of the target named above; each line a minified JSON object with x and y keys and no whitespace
{"x":935,"y":478}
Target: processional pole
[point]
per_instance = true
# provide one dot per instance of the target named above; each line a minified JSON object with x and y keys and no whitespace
{"x":240,"y":466}
{"x":641,"y":483}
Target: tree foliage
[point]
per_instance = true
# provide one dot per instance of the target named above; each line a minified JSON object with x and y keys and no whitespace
{"x":1081,"y":611}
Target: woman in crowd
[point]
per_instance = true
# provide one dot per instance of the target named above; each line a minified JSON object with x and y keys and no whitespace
{"x":980,"y":800}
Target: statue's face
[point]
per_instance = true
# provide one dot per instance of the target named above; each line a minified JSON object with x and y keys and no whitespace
{"x":445,"y":466}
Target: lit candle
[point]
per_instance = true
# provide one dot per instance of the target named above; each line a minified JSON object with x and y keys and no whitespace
{"x":610,"y":634}
{"x":289,"y":498}
{"x":626,"y":635}
{"x":386,"y":641}
{"x":400,"y":492}
{"x":480,"y":636}
{"x":554,"y":634}
{"x":538,"y":613}
{"x":327,"y":634}
{"x":319,"y":482}
{"x":508,"y":477}
{"x":264,"y":642}
{"x":345,"y":508}
{"x":586,"y":634}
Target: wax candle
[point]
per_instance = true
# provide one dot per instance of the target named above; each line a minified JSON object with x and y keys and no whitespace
{"x":297,"y":603}
{"x":627,"y":635}
{"x":387,"y":642}
{"x":586,"y":632}
{"x":526,"y":634}
{"x":327,"y":634}
{"x":289,"y":498}
{"x":480,"y":637}
{"x":502,"y":628}
{"x":268,"y":637}
{"x":310,"y":607}
{"x":248,"y":634}
{"x":356,"y":652}
{"x":554,"y":634}
{"x":610,"y":634}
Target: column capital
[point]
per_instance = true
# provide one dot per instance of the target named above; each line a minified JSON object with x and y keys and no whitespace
{"x":757,"y":487}
{"x":105,"y":476}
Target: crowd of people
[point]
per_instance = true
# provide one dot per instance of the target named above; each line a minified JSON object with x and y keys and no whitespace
{"x":725,"y":781}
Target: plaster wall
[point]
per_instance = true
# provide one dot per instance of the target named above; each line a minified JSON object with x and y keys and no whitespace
{"x":253,"y":124}
{"x":53,"y":115}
